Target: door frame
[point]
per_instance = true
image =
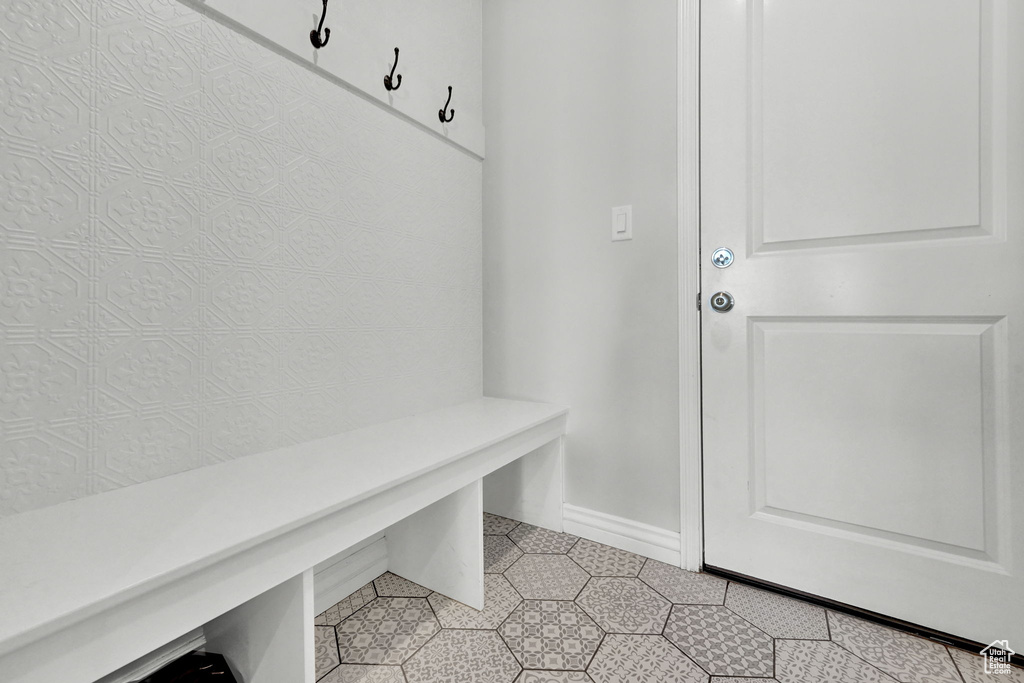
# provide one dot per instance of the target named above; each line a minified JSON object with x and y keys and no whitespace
{"x":691,"y":488}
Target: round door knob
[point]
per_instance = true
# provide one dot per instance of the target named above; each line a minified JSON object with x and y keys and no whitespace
{"x":722,"y":301}
{"x":722,"y":257}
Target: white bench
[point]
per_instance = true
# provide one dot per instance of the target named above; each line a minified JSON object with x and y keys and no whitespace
{"x":88,"y":586}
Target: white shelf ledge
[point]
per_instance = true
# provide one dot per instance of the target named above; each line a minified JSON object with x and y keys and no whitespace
{"x":284,"y":27}
{"x":89,"y":585}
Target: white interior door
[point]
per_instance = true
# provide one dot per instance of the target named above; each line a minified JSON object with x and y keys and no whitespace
{"x":864,"y":399}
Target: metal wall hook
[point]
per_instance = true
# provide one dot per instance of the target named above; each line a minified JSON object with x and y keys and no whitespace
{"x":392,"y":82}
{"x":314,"y":35}
{"x":440,"y":112}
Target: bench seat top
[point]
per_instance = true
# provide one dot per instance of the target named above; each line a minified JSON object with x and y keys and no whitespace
{"x":74,"y":559}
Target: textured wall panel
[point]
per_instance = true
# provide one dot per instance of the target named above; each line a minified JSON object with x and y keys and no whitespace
{"x":207,"y":251}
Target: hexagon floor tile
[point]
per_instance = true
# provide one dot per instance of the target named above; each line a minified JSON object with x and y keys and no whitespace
{"x":386,"y":631}
{"x":534,"y":539}
{"x":723,"y":643}
{"x":778,"y":616}
{"x":651,"y":659}
{"x":623,"y":605}
{"x":549,"y":634}
{"x":606,"y":627}
{"x":325,"y":649}
{"x":547,"y":577}
{"x":457,"y":656}
{"x":390,"y":585}
{"x":363,"y":673}
{"x":499,"y":554}
{"x":682,"y":587}
{"x":346,"y":607}
{"x":809,"y":661}
{"x":901,"y":655}
{"x":603,"y":560}
{"x":499,"y":601}
{"x":494,"y":524}
{"x":554,"y":677}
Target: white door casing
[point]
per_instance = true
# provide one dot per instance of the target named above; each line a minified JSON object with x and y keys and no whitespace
{"x":864,"y":400}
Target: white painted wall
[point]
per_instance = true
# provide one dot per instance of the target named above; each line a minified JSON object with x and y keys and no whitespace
{"x":580,"y":111}
{"x":208,"y":251}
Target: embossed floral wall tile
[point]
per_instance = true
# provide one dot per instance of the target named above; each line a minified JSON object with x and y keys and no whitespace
{"x":207,"y":251}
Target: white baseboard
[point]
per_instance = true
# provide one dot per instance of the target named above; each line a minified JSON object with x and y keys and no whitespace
{"x":342,"y":575}
{"x":625,"y":534}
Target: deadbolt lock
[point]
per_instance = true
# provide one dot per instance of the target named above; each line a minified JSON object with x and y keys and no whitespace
{"x":722,"y":301}
{"x":722,"y":258}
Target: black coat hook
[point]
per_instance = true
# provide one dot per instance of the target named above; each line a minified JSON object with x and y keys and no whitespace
{"x":314,"y":35}
{"x":440,"y":112}
{"x":397,"y":82}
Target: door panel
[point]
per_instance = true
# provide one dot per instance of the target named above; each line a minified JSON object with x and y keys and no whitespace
{"x":896,"y":449}
{"x":863,"y":436}
{"x":899,"y":76}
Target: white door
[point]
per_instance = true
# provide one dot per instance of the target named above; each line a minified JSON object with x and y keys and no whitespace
{"x":864,"y":399}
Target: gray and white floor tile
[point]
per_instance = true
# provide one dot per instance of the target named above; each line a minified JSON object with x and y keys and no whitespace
{"x":602,"y":560}
{"x":624,"y":605}
{"x":904,"y":657}
{"x":554,"y":677}
{"x":497,"y":525}
{"x":722,"y":642}
{"x":386,"y":631}
{"x":362,"y":673}
{"x":499,"y":554}
{"x":325,"y":649}
{"x":329,"y":617}
{"x":817,"y":661}
{"x":776,"y":615}
{"x":547,"y":577}
{"x":334,"y":614}
{"x":534,"y":539}
{"x":631,"y":658}
{"x":390,"y":585}
{"x":459,"y":656}
{"x":682,"y":587}
{"x":549,"y":634}
{"x":499,"y":601}
{"x":620,"y":617}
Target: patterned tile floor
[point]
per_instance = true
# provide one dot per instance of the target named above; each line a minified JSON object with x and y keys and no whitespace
{"x":560,"y":609}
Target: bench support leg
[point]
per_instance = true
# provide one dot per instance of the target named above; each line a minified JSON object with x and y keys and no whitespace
{"x":269,"y":638}
{"x":529,"y":489}
{"x":441,"y":547}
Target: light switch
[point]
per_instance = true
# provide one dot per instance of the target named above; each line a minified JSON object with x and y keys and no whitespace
{"x":622,"y":223}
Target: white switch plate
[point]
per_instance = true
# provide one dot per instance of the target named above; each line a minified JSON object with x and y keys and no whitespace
{"x":622,"y":223}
